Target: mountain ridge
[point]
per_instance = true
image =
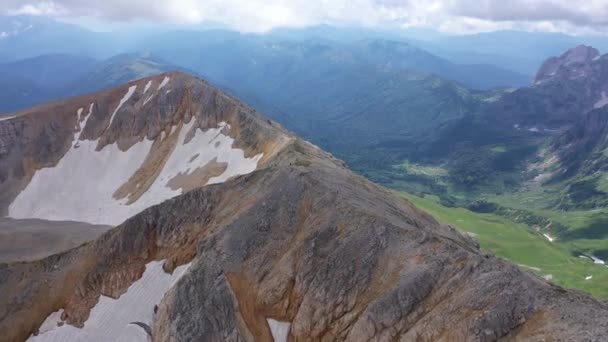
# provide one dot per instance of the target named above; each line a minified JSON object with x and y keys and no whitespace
{"x":299,"y":246}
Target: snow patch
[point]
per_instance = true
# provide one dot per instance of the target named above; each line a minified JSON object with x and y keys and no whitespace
{"x":7,"y":118}
{"x":148,"y":99}
{"x":597,"y":260}
{"x":51,"y":322}
{"x":122,"y":102}
{"x":147,"y":86}
{"x":110,"y":319}
{"x":164,"y":82}
{"x":203,"y":145}
{"x":603,"y":101}
{"x":549,"y":237}
{"x":279,"y":330}
{"x":82,"y":185}
{"x":530,"y":267}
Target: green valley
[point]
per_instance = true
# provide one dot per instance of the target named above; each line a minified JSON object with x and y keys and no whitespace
{"x":525,"y":246}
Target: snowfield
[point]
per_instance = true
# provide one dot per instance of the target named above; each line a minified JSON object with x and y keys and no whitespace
{"x":124,"y":99}
{"x":279,"y":330}
{"x":111,"y":319}
{"x":82,"y":185}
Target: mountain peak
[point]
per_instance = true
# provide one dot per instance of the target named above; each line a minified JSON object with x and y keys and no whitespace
{"x":580,"y":54}
{"x":574,"y":63}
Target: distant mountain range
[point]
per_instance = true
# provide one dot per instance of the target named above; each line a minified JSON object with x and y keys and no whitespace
{"x":51,"y":77}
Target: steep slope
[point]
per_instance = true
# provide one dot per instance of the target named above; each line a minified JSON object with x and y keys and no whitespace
{"x":565,"y":88}
{"x":491,"y":148}
{"x":121,"y":151}
{"x":299,"y":249}
{"x":577,"y":161}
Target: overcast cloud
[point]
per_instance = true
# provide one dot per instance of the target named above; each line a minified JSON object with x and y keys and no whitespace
{"x":260,"y":15}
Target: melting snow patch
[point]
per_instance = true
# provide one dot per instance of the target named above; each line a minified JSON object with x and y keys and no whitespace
{"x":148,"y":99}
{"x":203,"y":145}
{"x":164,"y":82}
{"x":550,"y":238}
{"x":279,"y":330}
{"x":7,"y":118}
{"x":147,"y":86}
{"x":81,"y":186}
{"x":597,"y":260}
{"x":122,"y":102}
{"x":110,"y":319}
{"x":530,"y":267}
{"x":51,"y":322}
{"x":603,"y":101}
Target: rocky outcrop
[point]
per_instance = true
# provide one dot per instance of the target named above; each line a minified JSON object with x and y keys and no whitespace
{"x":565,"y":88}
{"x":581,"y":148}
{"x":574,"y":63}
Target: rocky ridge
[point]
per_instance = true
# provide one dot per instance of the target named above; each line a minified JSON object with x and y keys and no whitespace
{"x":302,"y":247}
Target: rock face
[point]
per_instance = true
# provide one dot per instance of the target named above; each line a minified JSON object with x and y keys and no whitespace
{"x":574,"y":63}
{"x":300,"y":249}
{"x":565,"y":88}
{"x":582,"y":148}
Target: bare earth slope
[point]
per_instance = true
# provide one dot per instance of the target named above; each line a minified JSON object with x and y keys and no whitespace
{"x":298,"y":249}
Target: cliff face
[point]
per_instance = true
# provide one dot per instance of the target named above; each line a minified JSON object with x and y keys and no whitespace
{"x":582,"y":148}
{"x":298,"y":249}
{"x":565,"y":88}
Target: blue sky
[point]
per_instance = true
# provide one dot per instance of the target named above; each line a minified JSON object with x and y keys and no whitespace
{"x":451,"y":16}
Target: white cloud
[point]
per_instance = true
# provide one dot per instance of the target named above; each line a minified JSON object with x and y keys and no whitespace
{"x":42,"y":8}
{"x":262,"y":15}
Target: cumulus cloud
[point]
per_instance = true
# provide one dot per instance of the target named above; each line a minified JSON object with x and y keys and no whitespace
{"x":262,"y":15}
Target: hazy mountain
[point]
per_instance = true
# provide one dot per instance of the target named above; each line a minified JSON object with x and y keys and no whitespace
{"x":18,"y":93}
{"x":218,"y":53}
{"x":229,"y":227}
{"x":51,"y":71}
{"x":118,"y":70}
{"x":55,"y":77}
{"x":31,"y":36}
